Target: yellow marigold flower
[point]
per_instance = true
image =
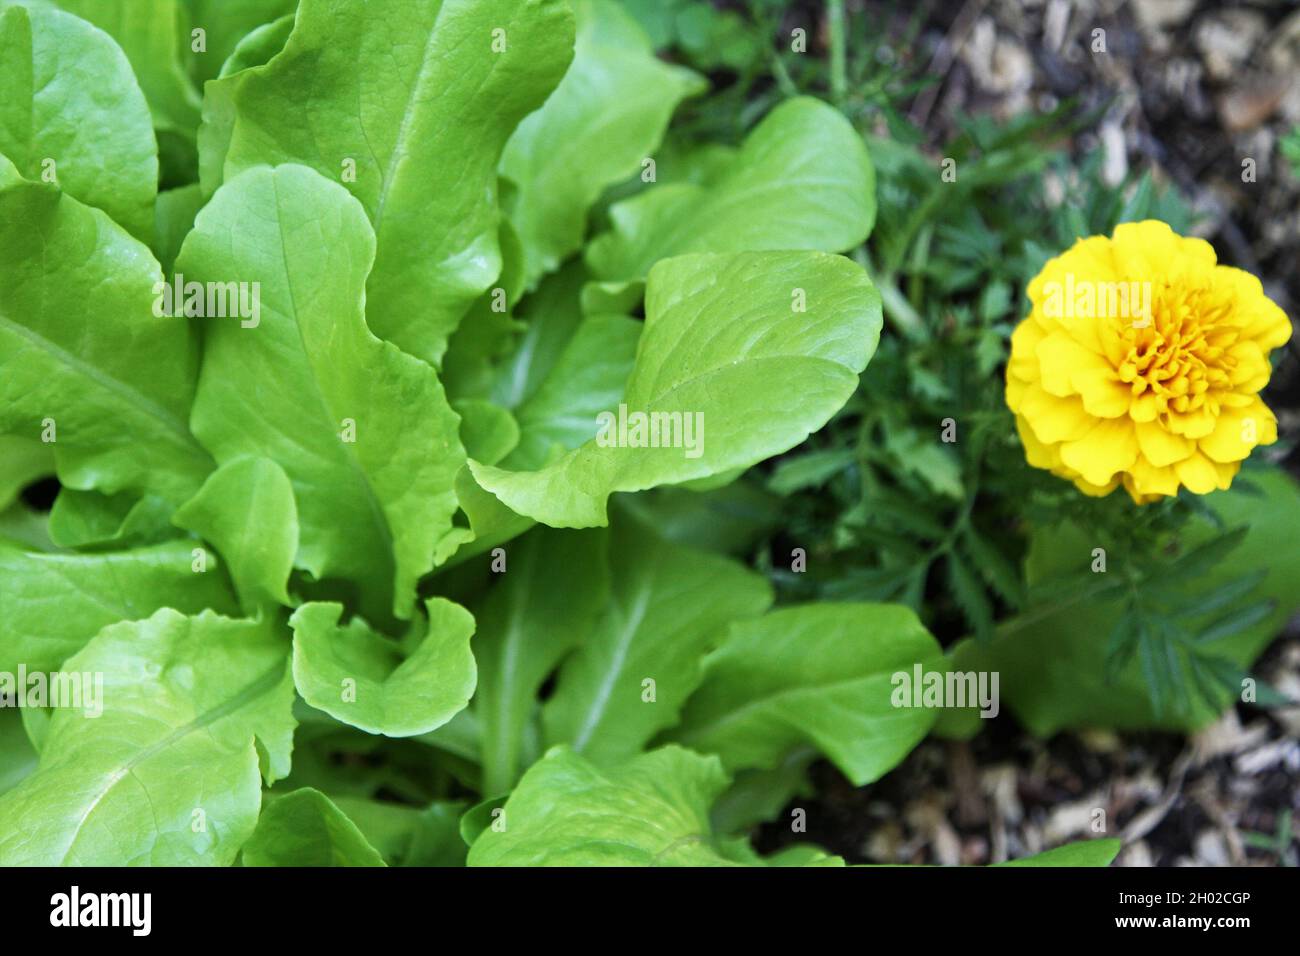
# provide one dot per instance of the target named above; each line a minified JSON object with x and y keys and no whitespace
{"x":1141,"y":362}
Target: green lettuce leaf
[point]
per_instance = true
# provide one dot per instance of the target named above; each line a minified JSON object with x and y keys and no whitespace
{"x":732,"y":519}
{"x":604,"y":119}
{"x":818,"y":675}
{"x":802,"y":180}
{"x":305,"y":828}
{"x":254,"y":50}
{"x":725,"y":345}
{"x":668,"y":606}
{"x":17,"y":756}
{"x":488,"y":431}
{"x":22,"y":462}
{"x":589,"y":377}
{"x":423,"y":122}
{"x":70,"y":99}
{"x":23,"y":527}
{"x":87,"y":519}
{"x":527,"y":623}
{"x":549,"y":316}
{"x":173,"y":219}
{"x":52,"y":604}
{"x":195,"y":712}
{"x":115,"y":384}
{"x":246,"y":510}
{"x":489,"y":330}
{"x":225,"y":24}
{"x":758,"y":796}
{"x":366,"y":680}
{"x":1085,"y":853}
{"x":363,"y":431}
{"x":151,"y":33}
{"x":409,"y":836}
{"x":652,"y":810}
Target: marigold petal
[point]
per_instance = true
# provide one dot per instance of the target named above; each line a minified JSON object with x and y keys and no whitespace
{"x":1036,"y":453}
{"x":1103,"y":394}
{"x":1144,"y":408}
{"x":1088,"y":261}
{"x":1015,"y":392}
{"x":1160,"y":446}
{"x":1198,"y":473}
{"x":1070,"y":368}
{"x":1138,"y":497}
{"x":1253,"y":369}
{"x":1058,"y":356}
{"x":1237,"y":431}
{"x":1024,"y":351}
{"x":1054,"y":419}
{"x":1096,"y":491}
{"x":1262,"y":319}
{"x":1227,"y":471}
{"x":1025,"y":342}
{"x":1151,"y":250}
{"x":1147,"y":481}
{"x":1090,"y":256}
{"x":1193,"y":424}
{"x":1110,"y":446}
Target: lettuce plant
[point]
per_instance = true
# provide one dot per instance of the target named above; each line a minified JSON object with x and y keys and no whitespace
{"x":339,"y":552}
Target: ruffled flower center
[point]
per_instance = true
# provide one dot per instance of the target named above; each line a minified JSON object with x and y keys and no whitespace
{"x":1181,"y":352}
